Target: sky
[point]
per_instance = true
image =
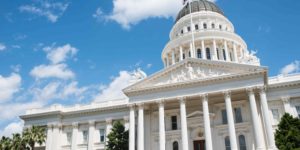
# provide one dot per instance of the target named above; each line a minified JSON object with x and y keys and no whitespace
{"x":77,"y":52}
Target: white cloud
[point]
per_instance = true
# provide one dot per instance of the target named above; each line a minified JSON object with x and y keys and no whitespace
{"x":98,"y":14}
{"x":114,"y":89}
{"x":14,"y":127}
{"x":2,"y":46}
{"x":46,"y":93}
{"x":149,"y":65}
{"x":52,"y":11}
{"x":60,"y":71}
{"x":291,"y":68}
{"x":60,"y":53}
{"x":9,"y":86}
{"x":13,"y":110}
{"x":131,"y":12}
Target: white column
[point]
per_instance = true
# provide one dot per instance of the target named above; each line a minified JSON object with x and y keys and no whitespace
{"x":141,"y":127}
{"x":91,"y":134}
{"x":162,"y":136}
{"x":267,"y":121}
{"x":231,"y":126}
{"x":181,"y":53}
{"x":287,"y":106}
{"x":173,"y":57}
{"x":74,"y":136}
{"x":206,"y":119}
{"x":226,"y":51}
{"x":167,"y":58}
{"x":49,"y":137}
{"x":132,"y":128}
{"x":126,"y":122}
{"x":258,"y":136}
{"x":184,"y":133}
{"x":234,"y":53}
{"x":192,"y":50}
{"x":215,"y":57}
{"x":55,"y":137}
{"x":203,"y":52}
{"x":108,"y":127}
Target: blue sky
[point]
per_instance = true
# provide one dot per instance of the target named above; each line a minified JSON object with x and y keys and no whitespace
{"x":71,"y":52}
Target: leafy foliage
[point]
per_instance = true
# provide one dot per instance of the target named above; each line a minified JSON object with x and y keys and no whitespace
{"x":287,"y":135}
{"x":118,"y":137}
{"x":26,"y":141}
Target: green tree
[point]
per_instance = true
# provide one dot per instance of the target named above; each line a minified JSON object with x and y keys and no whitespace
{"x":17,"y":142}
{"x":287,"y":135}
{"x":5,"y":143}
{"x":117,"y":138}
{"x":33,"y":135}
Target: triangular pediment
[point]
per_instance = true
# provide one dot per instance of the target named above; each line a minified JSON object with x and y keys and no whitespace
{"x":193,"y":70}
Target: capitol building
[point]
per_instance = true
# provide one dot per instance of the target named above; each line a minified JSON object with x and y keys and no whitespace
{"x":212,"y":94}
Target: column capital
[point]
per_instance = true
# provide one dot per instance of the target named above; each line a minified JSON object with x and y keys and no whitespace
{"x":91,"y":122}
{"x":75,"y":125}
{"x":56,"y":125}
{"x":204,"y":96}
{"x":131,"y":106}
{"x":262,"y":89}
{"x":160,"y":102}
{"x":108,"y":121}
{"x":49,"y":125}
{"x":181,"y":99}
{"x":140,"y":105}
{"x":285,"y":99}
{"x":250,"y":90}
{"x":226,"y":93}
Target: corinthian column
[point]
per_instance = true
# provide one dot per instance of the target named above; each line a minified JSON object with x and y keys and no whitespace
{"x":231,"y":126}
{"x":206,"y":119}
{"x":49,"y":137}
{"x":74,"y":135}
{"x":184,"y":132}
{"x":266,"y":116}
{"x":141,"y":127}
{"x":91,"y":135}
{"x":258,"y":136}
{"x":162,"y":136}
{"x":132,"y":128}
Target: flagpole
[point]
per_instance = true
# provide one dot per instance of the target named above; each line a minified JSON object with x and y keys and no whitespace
{"x":193,"y":38}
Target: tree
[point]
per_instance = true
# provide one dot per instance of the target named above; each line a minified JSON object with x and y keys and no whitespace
{"x":117,"y":138}
{"x":33,"y":135}
{"x":5,"y":143}
{"x":287,"y":135}
{"x":18,"y":142}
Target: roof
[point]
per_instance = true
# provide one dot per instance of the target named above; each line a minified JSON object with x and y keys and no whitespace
{"x":197,"y":6}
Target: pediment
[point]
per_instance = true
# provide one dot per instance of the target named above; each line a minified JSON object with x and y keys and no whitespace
{"x":193,"y":70}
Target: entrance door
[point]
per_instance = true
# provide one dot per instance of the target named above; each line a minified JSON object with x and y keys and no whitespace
{"x":199,"y":145}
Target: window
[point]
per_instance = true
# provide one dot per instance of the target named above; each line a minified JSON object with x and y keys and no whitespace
{"x":175,"y":145}
{"x":196,"y":27}
{"x":218,"y":53}
{"x":208,"y":53}
{"x":242,"y":142}
{"x":189,"y":29}
{"x":183,"y":56}
{"x":220,"y":27}
{"x":181,"y":31}
{"x":275,"y":114}
{"x":199,"y":53}
{"x":238,"y":115}
{"x":213,"y":25}
{"x":227,"y":143}
{"x":224,"y":116}
{"x":298,"y":111}
{"x":85,"y":135}
{"x":205,"y":26}
{"x":174,"y":122}
{"x":189,"y":53}
{"x":102,"y":135}
{"x":230,"y":54}
{"x":69,"y":138}
{"x":224,"y":54}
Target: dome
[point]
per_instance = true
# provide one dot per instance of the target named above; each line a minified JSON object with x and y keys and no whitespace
{"x":199,"y":5}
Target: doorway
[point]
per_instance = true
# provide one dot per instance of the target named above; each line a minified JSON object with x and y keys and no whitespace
{"x":199,"y":145}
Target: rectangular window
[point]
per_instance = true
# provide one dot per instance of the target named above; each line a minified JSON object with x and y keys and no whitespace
{"x":275,"y":114}
{"x":238,"y":115}
{"x":189,"y":29}
{"x":69,"y":138}
{"x":85,"y":135}
{"x":298,"y":111}
{"x":224,"y":116}
{"x":196,"y":27}
{"x":102,"y":135}
{"x":174,"y":122}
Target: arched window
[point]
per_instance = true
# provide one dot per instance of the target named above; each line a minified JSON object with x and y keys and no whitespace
{"x":175,"y":145}
{"x":204,"y":26}
{"x":227,"y":143}
{"x":199,"y":53}
{"x":220,"y":27}
{"x":183,"y":56}
{"x":218,"y":54}
{"x":189,"y":53}
{"x":189,"y":28}
{"x":242,"y":142}
{"x":224,"y":54}
{"x":213,"y":25}
{"x":196,"y":27}
{"x":181,"y":31}
{"x":208,"y":53}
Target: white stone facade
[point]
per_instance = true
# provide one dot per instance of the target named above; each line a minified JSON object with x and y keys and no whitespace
{"x":223,"y":101}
